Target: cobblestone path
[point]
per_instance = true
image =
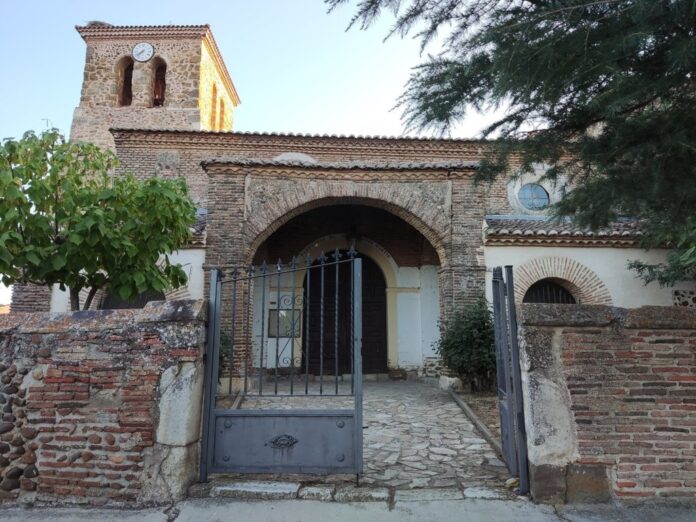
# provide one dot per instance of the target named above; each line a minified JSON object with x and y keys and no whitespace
{"x":415,"y":437}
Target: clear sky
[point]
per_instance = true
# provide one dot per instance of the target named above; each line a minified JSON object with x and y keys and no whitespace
{"x":295,"y":67}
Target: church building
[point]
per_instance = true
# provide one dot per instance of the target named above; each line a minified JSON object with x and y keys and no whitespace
{"x":162,"y":98}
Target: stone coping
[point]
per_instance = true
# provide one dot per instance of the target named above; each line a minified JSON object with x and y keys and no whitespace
{"x":649,"y":317}
{"x":95,"y":320}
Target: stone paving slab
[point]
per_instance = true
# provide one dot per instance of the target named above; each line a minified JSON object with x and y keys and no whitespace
{"x":325,"y":493}
{"x":355,"y":494}
{"x":427,"y":495}
{"x":267,"y":490}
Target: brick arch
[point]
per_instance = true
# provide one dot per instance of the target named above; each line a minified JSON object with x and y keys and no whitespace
{"x":261,"y":229}
{"x":578,"y":279}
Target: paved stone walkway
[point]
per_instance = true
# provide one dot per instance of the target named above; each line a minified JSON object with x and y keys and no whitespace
{"x":415,"y":437}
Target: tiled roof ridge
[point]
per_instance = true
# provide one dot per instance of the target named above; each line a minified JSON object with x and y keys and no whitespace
{"x":104,"y":27}
{"x":546,"y":226}
{"x":345,"y":165}
{"x":299,"y":135}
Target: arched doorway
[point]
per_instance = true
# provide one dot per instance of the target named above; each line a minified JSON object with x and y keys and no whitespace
{"x":327,"y":349}
{"x":401,"y":278}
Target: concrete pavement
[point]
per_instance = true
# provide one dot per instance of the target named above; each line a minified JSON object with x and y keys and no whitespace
{"x":467,"y":510}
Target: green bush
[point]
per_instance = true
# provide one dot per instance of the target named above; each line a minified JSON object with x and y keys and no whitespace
{"x":467,"y":345}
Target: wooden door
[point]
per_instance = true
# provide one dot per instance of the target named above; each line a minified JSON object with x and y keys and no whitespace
{"x":336,"y":346}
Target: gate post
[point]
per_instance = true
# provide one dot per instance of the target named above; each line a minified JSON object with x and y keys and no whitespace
{"x":211,"y":361}
{"x":357,"y":362}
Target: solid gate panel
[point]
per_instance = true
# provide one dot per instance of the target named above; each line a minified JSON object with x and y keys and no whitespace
{"x":268,"y":441}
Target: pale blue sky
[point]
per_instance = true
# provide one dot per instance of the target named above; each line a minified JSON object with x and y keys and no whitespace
{"x":295,"y":67}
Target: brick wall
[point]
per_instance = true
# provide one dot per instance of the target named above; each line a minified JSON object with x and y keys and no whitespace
{"x":141,"y":151}
{"x":101,"y":407}
{"x":30,"y":298}
{"x":611,"y":399}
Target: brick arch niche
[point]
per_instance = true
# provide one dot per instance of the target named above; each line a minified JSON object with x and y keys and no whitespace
{"x":578,"y":279}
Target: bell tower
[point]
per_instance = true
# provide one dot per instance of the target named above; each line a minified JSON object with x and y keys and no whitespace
{"x":152,"y":77}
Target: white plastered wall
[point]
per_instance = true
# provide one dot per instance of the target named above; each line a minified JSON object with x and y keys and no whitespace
{"x":191,"y":260}
{"x":609,"y":264}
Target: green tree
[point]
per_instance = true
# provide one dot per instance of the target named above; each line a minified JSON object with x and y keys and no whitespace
{"x":65,"y":220}
{"x":601,"y":91}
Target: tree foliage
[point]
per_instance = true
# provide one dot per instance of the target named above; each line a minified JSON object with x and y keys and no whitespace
{"x":467,"y":347}
{"x":64,"y":219}
{"x":601,"y":91}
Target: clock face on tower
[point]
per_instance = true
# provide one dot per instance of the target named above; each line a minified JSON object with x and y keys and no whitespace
{"x":143,"y":51}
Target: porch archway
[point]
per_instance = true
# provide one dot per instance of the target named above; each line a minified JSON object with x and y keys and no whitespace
{"x":406,"y":260}
{"x":262,"y":227}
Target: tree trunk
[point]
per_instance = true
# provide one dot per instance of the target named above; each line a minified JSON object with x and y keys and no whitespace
{"x":74,"y":299}
{"x":90,"y":297}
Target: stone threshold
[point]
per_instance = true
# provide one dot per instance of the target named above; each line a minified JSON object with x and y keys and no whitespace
{"x":345,"y":493}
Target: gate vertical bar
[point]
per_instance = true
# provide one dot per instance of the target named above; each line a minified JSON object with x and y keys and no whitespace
{"x":211,"y":356}
{"x":308,"y":293}
{"x":520,"y":431}
{"x":502,"y":342}
{"x":263,"y":271}
{"x":337,"y":266}
{"x":247,"y":300}
{"x":321,"y":324}
{"x":279,"y":267}
{"x":357,"y":368}
{"x":293,"y":266}
{"x":234,"y":329}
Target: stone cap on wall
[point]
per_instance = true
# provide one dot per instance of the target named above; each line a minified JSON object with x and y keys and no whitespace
{"x":185,"y":310}
{"x":341,"y":165}
{"x":649,"y":317}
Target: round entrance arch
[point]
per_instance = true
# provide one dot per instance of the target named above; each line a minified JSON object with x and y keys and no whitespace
{"x":408,"y":266}
{"x":261,"y":229}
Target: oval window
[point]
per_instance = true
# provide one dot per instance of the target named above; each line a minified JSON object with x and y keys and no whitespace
{"x":533,"y":197}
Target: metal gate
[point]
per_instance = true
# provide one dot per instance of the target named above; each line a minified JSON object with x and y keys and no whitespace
{"x":509,"y":379}
{"x":276,"y":398}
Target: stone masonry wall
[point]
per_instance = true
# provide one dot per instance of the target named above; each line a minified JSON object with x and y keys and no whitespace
{"x":99,"y":111}
{"x":610,"y":401}
{"x":101,"y":407}
{"x":218,"y":118}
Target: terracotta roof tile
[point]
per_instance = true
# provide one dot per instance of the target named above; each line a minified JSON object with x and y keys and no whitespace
{"x":106,"y":30}
{"x":344,"y":165}
{"x":296,"y":135}
{"x":544,"y":226}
